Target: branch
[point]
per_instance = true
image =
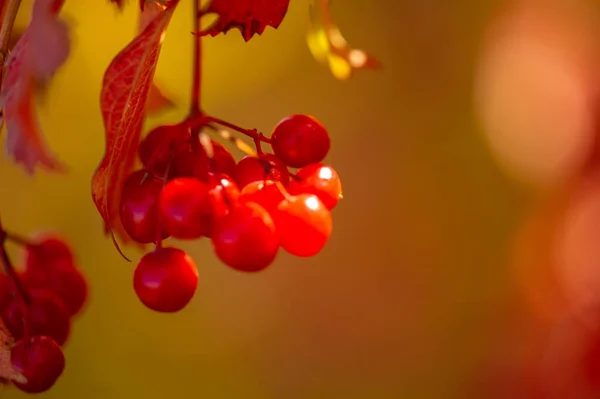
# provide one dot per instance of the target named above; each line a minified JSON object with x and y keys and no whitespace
{"x":7,"y":21}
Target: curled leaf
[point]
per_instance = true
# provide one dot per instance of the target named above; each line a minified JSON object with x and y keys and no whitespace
{"x":36,"y":57}
{"x":123,"y":97}
{"x":249,"y":16}
{"x":157,"y":100}
{"x":329,"y":47}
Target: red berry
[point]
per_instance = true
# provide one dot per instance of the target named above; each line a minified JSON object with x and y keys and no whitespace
{"x":165,"y":280}
{"x":185,"y":208}
{"x":320,"y":180}
{"x":190,"y":161}
{"x":265,"y":193}
{"x":304,"y":225}
{"x":65,"y":281}
{"x":46,"y":315}
{"x":245,"y":239}
{"x":155,"y":149}
{"x":222,"y":160}
{"x":139,"y":207}
{"x":40,"y":360}
{"x":46,"y":250}
{"x":269,"y":167}
{"x":300,"y":140}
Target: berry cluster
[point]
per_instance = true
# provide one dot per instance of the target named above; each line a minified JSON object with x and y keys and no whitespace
{"x":192,"y":187}
{"x":37,"y":305}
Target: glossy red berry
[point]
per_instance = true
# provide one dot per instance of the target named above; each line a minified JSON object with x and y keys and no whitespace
{"x":40,"y":360}
{"x":46,"y":315}
{"x":155,"y":149}
{"x":320,"y":180}
{"x":139,"y":207}
{"x":269,"y":167}
{"x":304,"y":225}
{"x":265,"y":193}
{"x":185,"y":208}
{"x":245,"y":239}
{"x":165,"y":280}
{"x":65,"y":281}
{"x":300,"y":140}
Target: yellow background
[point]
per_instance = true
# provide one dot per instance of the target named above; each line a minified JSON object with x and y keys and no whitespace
{"x":407,"y":298}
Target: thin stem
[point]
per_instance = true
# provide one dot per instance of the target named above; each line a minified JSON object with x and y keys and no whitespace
{"x":195,"y":108}
{"x":19,"y":240}
{"x":252,"y":133}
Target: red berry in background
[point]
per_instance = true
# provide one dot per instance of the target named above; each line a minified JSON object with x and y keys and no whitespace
{"x":65,"y":281}
{"x":46,"y":315}
{"x":269,"y":167}
{"x":40,"y":360}
{"x":264,"y":193}
{"x":320,"y":180}
{"x":304,"y":225}
{"x":222,"y":160}
{"x":185,"y":208}
{"x":155,"y":149}
{"x":48,"y":249}
{"x":300,"y":140}
{"x":245,"y":239}
{"x":165,"y":280}
{"x":139,"y":207}
{"x":190,"y":161}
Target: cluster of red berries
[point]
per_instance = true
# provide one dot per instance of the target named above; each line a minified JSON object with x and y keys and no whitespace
{"x":37,"y":305}
{"x":248,"y":209}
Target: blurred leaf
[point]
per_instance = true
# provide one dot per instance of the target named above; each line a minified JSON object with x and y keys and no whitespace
{"x":328,"y":46}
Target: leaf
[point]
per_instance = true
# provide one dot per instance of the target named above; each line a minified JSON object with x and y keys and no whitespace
{"x":7,"y":372}
{"x":123,"y":97}
{"x":157,"y":100}
{"x":36,"y":57}
{"x":328,"y":46}
{"x":249,"y":16}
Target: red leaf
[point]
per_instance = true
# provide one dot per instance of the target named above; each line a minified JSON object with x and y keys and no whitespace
{"x":36,"y":57}
{"x":249,"y":16}
{"x":122,"y":99}
{"x":157,"y":100}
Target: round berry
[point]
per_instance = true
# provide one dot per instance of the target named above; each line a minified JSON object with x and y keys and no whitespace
{"x":245,"y":239}
{"x":190,"y":161}
{"x":165,"y":280}
{"x":265,"y":193}
{"x":46,"y":250}
{"x":320,"y":180}
{"x":139,"y":207}
{"x":304,"y":225}
{"x":155,"y":149}
{"x":185,"y":208}
{"x":300,"y":140}
{"x":222,"y":160}
{"x":268,"y":167}
{"x":40,"y":360}
{"x":66,"y":282}
{"x":46,"y":315}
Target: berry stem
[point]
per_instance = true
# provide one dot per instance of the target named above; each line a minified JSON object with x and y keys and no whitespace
{"x":252,"y":133}
{"x":17,"y":286}
{"x":195,"y":108}
{"x":19,"y":240}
